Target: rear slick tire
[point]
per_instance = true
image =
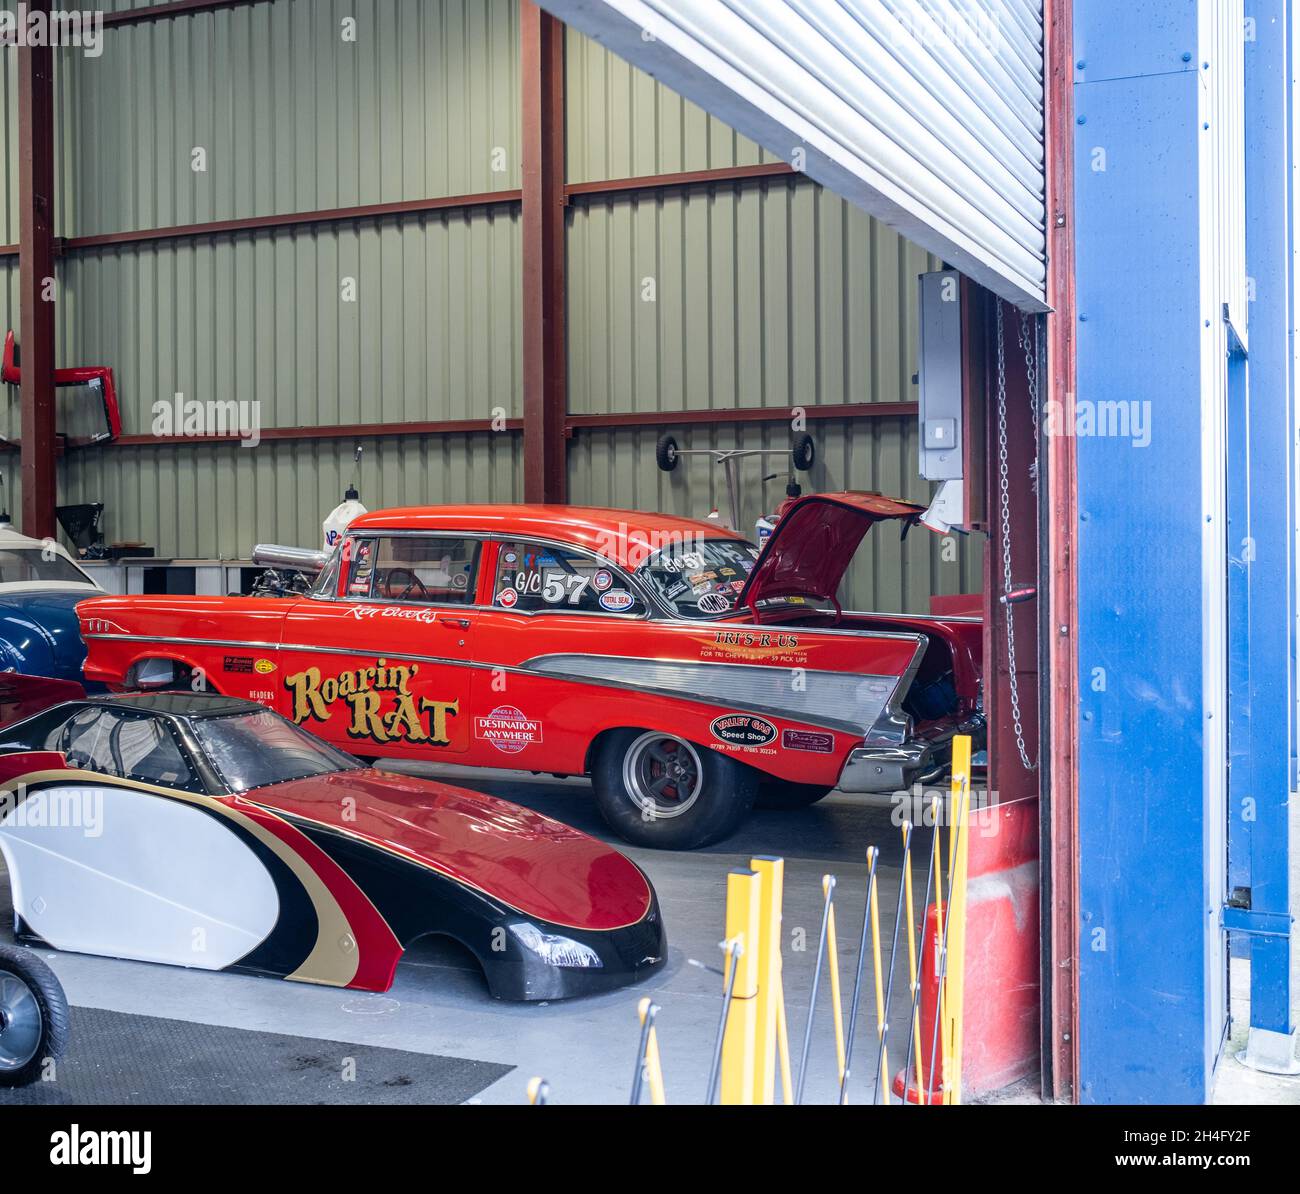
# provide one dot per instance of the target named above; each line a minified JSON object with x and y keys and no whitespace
{"x":658,"y":790}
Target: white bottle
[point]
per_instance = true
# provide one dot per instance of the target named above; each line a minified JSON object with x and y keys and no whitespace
{"x":338,"y":519}
{"x":764,"y":527}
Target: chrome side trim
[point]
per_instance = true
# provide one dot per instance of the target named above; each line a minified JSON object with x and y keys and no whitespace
{"x":847,"y":701}
{"x":891,"y":727}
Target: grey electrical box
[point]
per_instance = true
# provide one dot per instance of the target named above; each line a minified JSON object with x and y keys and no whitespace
{"x":939,"y":376}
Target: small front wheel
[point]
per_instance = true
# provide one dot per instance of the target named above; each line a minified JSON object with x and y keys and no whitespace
{"x":656,"y":789}
{"x":33,"y":1016}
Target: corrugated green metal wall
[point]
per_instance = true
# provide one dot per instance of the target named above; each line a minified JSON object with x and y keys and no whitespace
{"x":768,"y":293}
{"x":293,"y":118}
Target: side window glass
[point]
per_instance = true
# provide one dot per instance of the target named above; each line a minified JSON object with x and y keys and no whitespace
{"x":359,"y":554}
{"x":124,"y":745}
{"x":533,"y":577}
{"x":424,"y":569}
{"x":144,"y":748}
{"x":83,"y":739}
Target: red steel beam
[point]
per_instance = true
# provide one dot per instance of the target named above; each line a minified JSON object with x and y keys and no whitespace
{"x":176,"y":8}
{"x":407,"y":207}
{"x":35,"y":282}
{"x":542,"y":230}
{"x":1061,"y":968}
{"x":686,"y":178}
{"x":331,"y":215}
{"x":572,"y":423}
{"x":754,"y":414}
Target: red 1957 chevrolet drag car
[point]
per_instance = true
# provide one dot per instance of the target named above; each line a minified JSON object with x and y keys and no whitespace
{"x":687,"y":674}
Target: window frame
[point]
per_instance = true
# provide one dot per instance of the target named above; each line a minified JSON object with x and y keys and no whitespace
{"x":480,"y":542}
{"x":503,"y":540}
{"x":197,"y":783}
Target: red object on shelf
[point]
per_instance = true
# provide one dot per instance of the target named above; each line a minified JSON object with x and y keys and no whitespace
{"x":78,"y":376}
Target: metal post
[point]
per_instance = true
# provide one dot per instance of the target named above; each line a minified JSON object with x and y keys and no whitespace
{"x":872,"y":855}
{"x":914,"y":1040}
{"x":828,"y":888}
{"x":542,"y":234}
{"x":36,"y":282}
{"x":904,"y":897}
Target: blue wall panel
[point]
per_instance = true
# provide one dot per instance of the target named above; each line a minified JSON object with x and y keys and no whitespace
{"x":1148,"y":941}
{"x":1265,"y":704}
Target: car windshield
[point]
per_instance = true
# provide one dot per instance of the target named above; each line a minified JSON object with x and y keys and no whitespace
{"x":701,"y":578}
{"x":26,"y":564}
{"x":250,"y":750}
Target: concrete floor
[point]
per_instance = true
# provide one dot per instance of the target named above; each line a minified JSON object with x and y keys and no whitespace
{"x":586,"y":1049}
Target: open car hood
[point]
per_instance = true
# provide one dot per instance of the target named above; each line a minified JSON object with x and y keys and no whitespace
{"x":812,"y":545}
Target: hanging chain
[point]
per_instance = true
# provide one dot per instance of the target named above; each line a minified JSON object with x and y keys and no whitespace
{"x":1027,"y":343}
{"x":1028,"y":337}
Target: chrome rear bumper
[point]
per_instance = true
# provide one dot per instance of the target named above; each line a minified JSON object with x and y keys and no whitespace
{"x":896,"y":767}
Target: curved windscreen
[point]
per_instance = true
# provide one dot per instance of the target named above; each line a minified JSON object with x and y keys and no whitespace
{"x":250,"y":750}
{"x":701,"y":578}
{"x":23,"y":565}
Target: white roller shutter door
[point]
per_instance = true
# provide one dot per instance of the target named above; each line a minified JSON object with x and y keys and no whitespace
{"x":927,"y":113}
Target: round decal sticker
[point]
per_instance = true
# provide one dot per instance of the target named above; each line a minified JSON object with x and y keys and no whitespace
{"x":617,"y":600}
{"x":602,"y":580}
{"x":508,"y":598}
{"x":459,"y":581}
{"x":742,"y":729}
{"x":508,"y":729}
{"x":713,"y":603}
{"x":510,"y":557}
{"x":263,"y":667}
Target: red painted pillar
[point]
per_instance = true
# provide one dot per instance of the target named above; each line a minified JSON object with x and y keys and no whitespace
{"x":542,"y":222}
{"x":35,"y":282}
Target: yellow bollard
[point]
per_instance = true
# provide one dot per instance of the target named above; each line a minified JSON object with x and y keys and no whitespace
{"x":654,"y":1074}
{"x":741,"y":1036}
{"x":875,"y":958}
{"x":833,"y":964}
{"x":771,"y":873}
{"x":955,"y":976}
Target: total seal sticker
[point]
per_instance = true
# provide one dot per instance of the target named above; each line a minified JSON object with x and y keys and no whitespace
{"x":617,"y":600}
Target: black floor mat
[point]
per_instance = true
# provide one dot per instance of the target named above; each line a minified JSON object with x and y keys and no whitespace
{"x":115,"y":1057}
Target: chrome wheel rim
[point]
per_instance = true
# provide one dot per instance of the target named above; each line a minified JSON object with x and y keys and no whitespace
{"x":662,"y":775}
{"x":20,"y":1022}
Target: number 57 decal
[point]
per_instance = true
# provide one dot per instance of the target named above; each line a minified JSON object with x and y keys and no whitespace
{"x":561,"y":586}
